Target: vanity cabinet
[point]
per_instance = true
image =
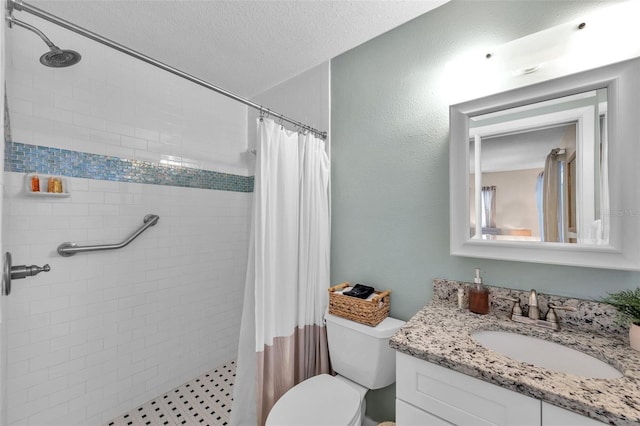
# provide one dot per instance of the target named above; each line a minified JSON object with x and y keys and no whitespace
{"x":428,"y":394}
{"x":556,"y":416}
{"x":455,"y":398}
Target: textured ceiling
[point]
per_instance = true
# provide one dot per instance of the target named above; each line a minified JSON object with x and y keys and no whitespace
{"x":242,"y":46}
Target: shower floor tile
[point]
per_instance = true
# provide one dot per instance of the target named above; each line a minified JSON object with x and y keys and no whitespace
{"x":205,"y":400}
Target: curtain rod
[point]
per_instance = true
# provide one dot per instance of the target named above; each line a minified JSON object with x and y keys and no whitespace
{"x":25,"y":7}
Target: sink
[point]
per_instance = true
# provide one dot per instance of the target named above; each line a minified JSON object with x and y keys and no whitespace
{"x":545,"y":354}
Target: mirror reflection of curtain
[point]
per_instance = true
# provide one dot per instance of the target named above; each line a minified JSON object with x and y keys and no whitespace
{"x":539,"y":186}
{"x":603,"y":238}
{"x":599,"y":231}
{"x":488,"y":206}
{"x":550,"y":199}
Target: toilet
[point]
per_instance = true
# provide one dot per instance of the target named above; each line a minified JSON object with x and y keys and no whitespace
{"x":363,"y":360}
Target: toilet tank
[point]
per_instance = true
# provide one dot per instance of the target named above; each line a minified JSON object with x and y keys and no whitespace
{"x":362,"y":353}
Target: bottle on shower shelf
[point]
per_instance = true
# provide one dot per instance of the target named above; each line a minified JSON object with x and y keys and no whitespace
{"x":35,"y":183}
{"x":57,"y":185}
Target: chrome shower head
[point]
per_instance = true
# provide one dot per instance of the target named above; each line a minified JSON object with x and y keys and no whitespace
{"x":56,"y":57}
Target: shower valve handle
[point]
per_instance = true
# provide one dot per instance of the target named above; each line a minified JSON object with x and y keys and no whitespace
{"x":23,"y":271}
{"x":10,"y":272}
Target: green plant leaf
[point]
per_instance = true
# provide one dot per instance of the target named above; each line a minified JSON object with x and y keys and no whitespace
{"x":627,"y":302}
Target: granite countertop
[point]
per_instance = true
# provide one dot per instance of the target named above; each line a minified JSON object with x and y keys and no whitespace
{"x":441,"y":334}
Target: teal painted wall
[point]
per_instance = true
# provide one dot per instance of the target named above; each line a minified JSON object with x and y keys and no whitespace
{"x":390,"y":182}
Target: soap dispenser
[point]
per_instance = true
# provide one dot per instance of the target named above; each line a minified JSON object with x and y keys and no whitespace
{"x":478,"y":296}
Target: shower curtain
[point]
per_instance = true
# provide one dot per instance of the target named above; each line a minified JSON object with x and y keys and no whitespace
{"x":598,"y":231}
{"x":552,"y":213}
{"x":488,"y":206}
{"x":283,"y":338}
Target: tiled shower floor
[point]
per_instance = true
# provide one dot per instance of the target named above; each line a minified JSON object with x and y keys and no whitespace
{"x":206,"y":400}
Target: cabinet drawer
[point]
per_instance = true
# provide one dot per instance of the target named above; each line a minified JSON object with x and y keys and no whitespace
{"x":556,"y":416}
{"x":461,"y":399}
{"x":408,"y":415}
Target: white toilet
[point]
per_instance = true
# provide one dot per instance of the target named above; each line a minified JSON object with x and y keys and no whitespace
{"x":363,"y":360}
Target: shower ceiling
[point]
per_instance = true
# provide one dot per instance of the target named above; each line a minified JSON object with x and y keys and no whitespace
{"x":242,"y":46}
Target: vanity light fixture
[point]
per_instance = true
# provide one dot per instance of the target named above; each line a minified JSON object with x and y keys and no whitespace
{"x":565,"y":49}
{"x":581,"y":26}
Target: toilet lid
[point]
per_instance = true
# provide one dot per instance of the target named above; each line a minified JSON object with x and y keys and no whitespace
{"x":321,"y":400}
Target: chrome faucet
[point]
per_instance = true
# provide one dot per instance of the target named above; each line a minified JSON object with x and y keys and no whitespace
{"x":551,"y":320}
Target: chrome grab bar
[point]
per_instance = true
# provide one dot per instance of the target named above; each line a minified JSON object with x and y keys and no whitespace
{"x":69,"y":249}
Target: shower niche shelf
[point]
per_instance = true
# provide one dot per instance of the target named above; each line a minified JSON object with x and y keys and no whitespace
{"x":43,"y":186}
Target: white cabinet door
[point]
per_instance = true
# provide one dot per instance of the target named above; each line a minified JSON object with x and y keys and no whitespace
{"x":461,"y":399}
{"x":408,"y":415}
{"x":556,"y":416}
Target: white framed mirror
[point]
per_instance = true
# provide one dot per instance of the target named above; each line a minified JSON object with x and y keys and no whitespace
{"x":548,"y":173}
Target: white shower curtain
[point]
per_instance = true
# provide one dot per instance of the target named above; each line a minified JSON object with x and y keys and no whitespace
{"x":488,"y":206}
{"x":282,"y":338}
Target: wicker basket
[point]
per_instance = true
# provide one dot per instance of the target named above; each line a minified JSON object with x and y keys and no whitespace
{"x":368,"y":312}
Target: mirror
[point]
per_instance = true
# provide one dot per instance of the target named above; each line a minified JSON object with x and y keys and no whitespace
{"x":545,"y":173}
{"x":541,"y":172}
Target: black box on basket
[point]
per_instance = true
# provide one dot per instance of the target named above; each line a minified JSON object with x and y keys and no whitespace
{"x":370,"y":311}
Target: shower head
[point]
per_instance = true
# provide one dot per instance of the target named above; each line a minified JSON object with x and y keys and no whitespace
{"x":56,"y":57}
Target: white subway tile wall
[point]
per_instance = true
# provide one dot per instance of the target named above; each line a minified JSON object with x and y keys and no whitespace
{"x":112,"y":104}
{"x":104,"y":332}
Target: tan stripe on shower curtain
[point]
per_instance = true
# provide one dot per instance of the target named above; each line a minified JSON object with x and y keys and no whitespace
{"x":550,"y":198}
{"x":307,"y":355}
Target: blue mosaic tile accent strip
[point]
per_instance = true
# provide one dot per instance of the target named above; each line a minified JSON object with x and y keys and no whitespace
{"x":23,"y":158}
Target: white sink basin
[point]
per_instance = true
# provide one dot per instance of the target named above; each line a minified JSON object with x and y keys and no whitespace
{"x":543,"y":353}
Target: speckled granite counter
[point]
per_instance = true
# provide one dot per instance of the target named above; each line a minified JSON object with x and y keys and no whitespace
{"x":440,"y":333}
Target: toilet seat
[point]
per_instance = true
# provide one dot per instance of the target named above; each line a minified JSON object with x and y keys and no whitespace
{"x":319,"y":401}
